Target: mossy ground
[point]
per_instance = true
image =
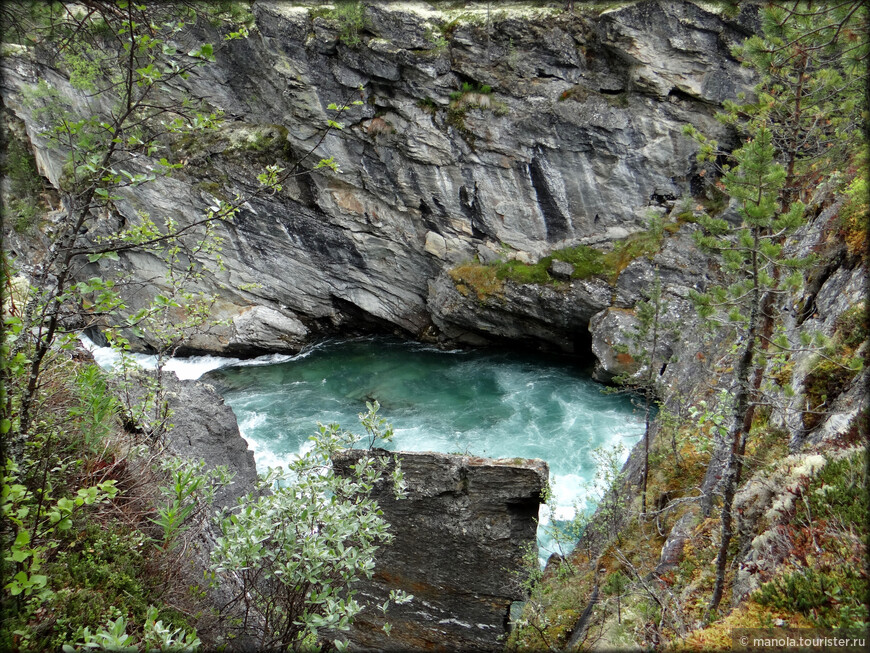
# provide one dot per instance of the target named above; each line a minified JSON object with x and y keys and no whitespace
{"x":588,"y":262}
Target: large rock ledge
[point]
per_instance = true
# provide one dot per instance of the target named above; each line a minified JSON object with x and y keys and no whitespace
{"x":580,"y":139}
{"x":460,"y":535}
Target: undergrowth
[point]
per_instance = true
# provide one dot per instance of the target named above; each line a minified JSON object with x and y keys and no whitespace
{"x":80,"y":503}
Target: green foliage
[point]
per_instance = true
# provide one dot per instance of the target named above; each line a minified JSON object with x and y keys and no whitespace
{"x":97,"y":407}
{"x":456,"y":118}
{"x":19,"y":168}
{"x":191,"y":491}
{"x":59,"y":417}
{"x":616,"y":584}
{"x":836,"y":365}
{"x":470,"y":96}
{"x":94,"y":580}
{"x":481,"y":279}
{"x":351,"y":18}
{"x":524,"y":273}
{"x":90,"y":571}
{"x":793,"y":141}
{"x":839,"y":493}
{"x":606,"y":492}
{"x":826,"y":381}
{"x":590,"y":262}
{"x":299,"y":549}
{"x":72,"y":565}
{"x":752,"y":254}
{"x":155,"y":636}
{"x":852,"y":327}
{"x":812,"y":64}
{"x":854,"y":215}
{"x":233,"y":13}
{"x":539,"y":626}
{"x":826,"y":580}
{"x":25,"y":185}
{"x":437,"y":38}
{"x":487,"y":280}
{"x":428,"y":105}
{"x":832,"y":599}
{"x":645,"y":243}
{"x":587,"y":261}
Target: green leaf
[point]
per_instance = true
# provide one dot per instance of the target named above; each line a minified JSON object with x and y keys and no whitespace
{"x":20,"y":555}
{"x":205,"y":52}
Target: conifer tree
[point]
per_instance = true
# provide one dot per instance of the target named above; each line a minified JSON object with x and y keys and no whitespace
{"x":753,"y":258}
{"x":801,"y":132}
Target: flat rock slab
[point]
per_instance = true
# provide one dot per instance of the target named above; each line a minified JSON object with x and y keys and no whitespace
{"x":460,"y":535}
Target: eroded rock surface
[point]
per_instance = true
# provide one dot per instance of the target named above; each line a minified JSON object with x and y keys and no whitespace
{"x":578,"y":139}
{"x":460,"y":536}
{"x":205,"y":428}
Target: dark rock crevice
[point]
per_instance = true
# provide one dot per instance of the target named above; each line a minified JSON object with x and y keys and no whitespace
{"x":555,"y":221}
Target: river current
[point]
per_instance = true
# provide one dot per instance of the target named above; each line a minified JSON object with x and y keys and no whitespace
{"x":489,"y":403}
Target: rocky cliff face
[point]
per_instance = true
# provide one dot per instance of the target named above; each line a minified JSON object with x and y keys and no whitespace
{"x":459,"y":540}
{"x":562,"y":129}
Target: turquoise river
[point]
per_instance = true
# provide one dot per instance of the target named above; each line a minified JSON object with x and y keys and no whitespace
{"x":490,"y":403}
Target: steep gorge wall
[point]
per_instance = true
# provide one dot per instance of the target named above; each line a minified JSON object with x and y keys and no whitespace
{"x":579,"y":139}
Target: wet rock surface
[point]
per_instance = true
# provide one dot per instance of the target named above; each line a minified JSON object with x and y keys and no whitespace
{"x":206,"y":429}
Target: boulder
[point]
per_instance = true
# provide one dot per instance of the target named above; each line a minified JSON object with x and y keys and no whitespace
{"x":261,"y":328}
{"x":611,"y":344}
{"x":560,"y":270}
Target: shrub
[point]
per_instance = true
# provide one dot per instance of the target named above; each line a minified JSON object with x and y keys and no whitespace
{"x":854,"y":217}
{"x":428,"y":105}
{"x":351,"y":19}
{"x":297,"y":573}
{"x":456,"y":117}
{"x":853,"y":326}
{"x":471,"y":95}
{"x":25,"y":184}
{"x":839,"y":492}
{"x":831,"y":599}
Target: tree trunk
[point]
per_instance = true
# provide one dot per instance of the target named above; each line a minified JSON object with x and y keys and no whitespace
{"x":741,"y":412}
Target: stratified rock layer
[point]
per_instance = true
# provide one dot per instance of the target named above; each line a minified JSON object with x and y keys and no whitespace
{"x":460,"y":535}
{"x":567,"y":130}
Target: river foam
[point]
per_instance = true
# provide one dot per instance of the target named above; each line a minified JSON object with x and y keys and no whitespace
{"x":185,"y":367}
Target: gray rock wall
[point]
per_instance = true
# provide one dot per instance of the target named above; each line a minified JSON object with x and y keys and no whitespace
{"x":580,"y":136}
